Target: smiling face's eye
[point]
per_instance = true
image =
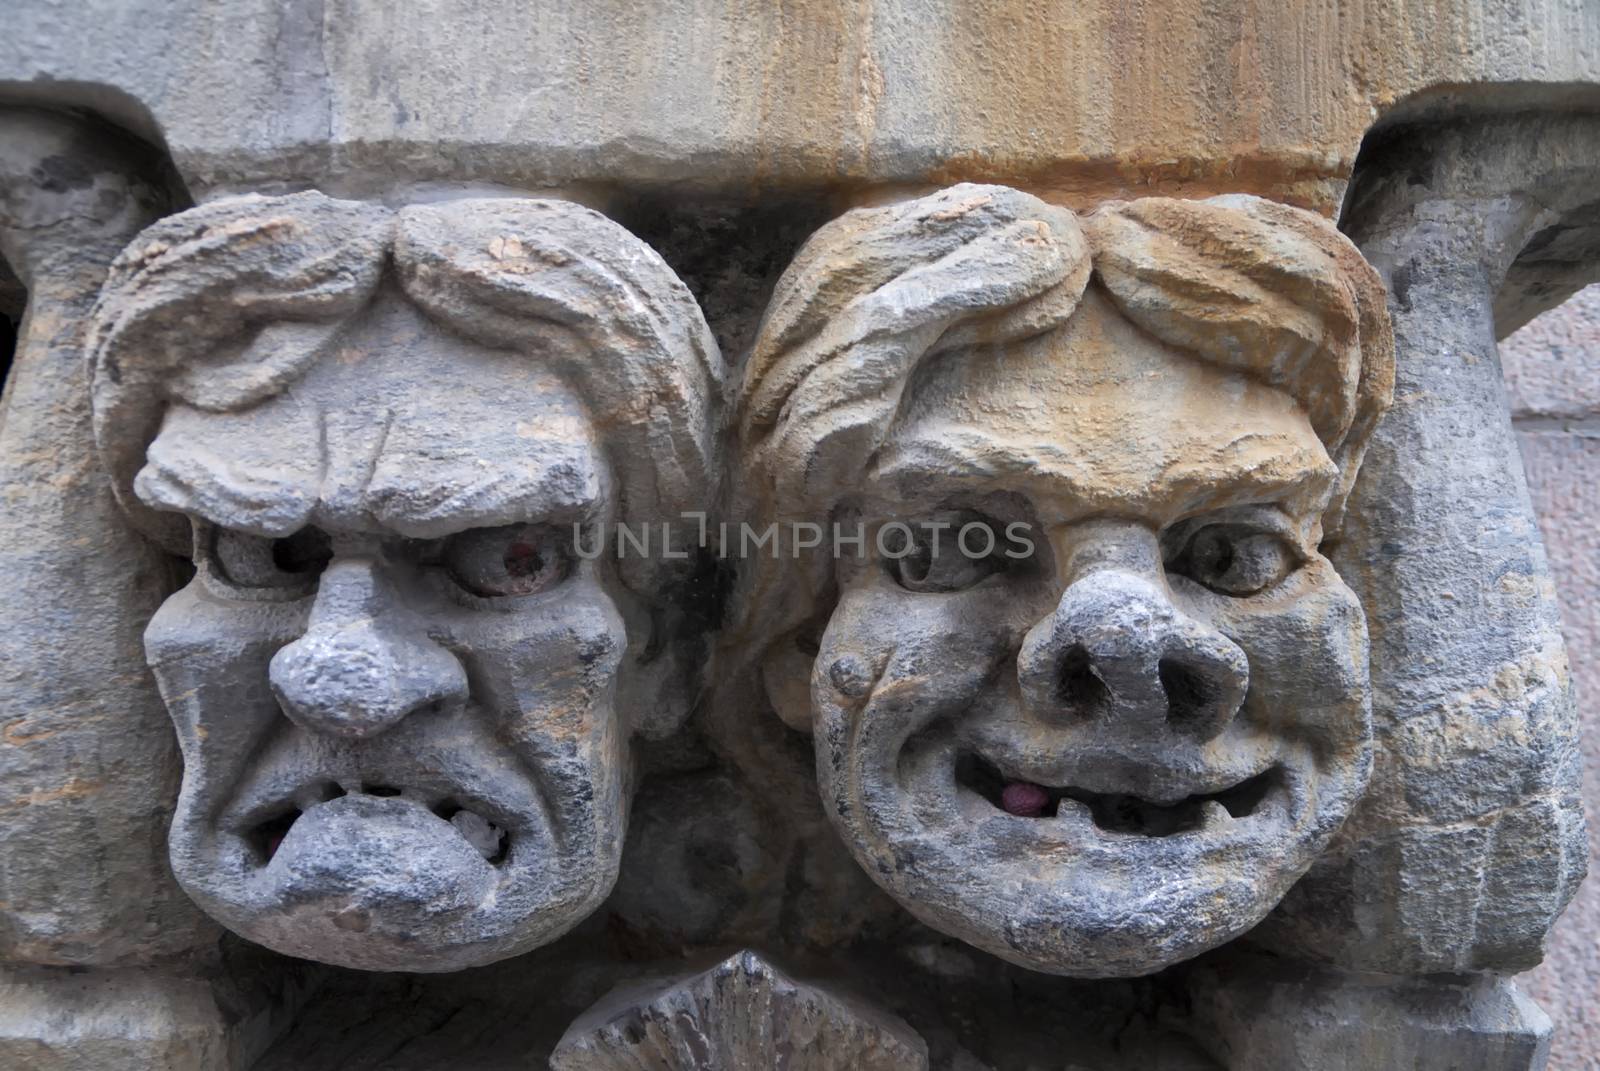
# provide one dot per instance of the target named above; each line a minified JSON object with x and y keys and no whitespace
{"x":1234,"y":560}
{"x":947,"y":553}
{"x":514,"y":559}
{"x":251,"y":561}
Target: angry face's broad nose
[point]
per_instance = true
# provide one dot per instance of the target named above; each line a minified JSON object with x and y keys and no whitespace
{"x":365,"y":661}
{"x":1116,"y":652}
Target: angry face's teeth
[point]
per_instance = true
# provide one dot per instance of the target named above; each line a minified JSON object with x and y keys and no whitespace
{"x":1213,"y":815}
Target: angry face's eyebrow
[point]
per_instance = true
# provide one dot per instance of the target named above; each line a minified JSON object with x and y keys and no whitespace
{"x":254,"y":475}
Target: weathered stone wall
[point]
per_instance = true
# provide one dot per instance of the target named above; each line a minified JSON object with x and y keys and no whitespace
{"x":1552,"y":370}
{"x":1087,"y":100}
{"x":424,"y":283}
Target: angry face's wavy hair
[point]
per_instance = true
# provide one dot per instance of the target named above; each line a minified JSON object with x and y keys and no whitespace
{"x":228,"y":304}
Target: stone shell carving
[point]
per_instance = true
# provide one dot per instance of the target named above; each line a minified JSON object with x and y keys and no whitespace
{"x":404,"y":701}
{"x":743,"y":1012}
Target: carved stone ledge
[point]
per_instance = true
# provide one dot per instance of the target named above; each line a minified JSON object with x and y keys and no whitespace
{"x":56,"y":1019}
{"x":1261,"y":1012}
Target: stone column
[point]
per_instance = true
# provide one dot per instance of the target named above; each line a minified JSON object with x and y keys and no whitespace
{"x":88,"y":761}
{"x":1470,"y":840}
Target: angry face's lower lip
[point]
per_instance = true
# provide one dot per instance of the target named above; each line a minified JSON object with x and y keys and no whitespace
{"x":1112,"y":812}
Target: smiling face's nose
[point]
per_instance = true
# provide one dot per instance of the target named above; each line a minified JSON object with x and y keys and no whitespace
{"x":365,"y":662}
{"x":1116,"y":655}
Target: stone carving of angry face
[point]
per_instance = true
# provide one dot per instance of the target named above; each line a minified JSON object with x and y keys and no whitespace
{"x":404,"y":700}
{"x":1087,"y":696}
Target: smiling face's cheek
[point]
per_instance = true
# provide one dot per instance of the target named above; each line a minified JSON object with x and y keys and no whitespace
{"x":1308,"y":668}
{"x":890,"y":664}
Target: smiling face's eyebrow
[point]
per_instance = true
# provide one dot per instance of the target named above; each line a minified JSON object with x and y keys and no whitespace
{"x":1075,"y":482}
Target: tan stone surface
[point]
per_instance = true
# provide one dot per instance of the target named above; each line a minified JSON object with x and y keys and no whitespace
{"x":1082,"y":99}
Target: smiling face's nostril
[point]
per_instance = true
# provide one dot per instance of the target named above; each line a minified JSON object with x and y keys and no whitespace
{"x":1081,"y":690}
{"x":1188,"y":692}
{"x":267,"y":836}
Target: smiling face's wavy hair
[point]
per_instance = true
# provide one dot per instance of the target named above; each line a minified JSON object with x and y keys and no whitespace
{"x":1249,"y":285}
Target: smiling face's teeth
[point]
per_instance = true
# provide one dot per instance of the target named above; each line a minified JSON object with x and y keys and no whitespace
{"x":1076,"y":817}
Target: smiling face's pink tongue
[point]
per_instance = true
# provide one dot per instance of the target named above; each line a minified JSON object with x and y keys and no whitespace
{"x":1024,"y":799}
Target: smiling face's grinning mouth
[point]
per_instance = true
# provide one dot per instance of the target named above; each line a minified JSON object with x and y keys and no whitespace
{"x":1113,"y":812}
{"x":490,"y":840}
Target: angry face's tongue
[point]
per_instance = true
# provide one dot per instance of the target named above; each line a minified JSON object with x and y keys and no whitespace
{"x":381,"y":853}
{"x":1024,"y":799}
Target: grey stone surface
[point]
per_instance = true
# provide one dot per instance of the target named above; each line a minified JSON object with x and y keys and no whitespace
{"x":118,"y":1019}
{"x":743,"y":1012}
{"x":1470,"y":839}
{"x":404,"y":697}
{"x":1271,"y":1013}
{"x":88,"y":765}
{"x":1091,"y":99}
{"x":1552,"y":368}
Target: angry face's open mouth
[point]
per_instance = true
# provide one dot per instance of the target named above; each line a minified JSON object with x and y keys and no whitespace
{"x":489,"y":838}
{"x":1114,"y":812}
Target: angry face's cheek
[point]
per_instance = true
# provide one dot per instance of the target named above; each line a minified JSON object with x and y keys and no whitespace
{"x":549,"y":669}
{"x":210,"y":662}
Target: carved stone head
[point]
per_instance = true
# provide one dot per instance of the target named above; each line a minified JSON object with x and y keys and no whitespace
{"x":1090,"y":697}
{"x":404,"y":699}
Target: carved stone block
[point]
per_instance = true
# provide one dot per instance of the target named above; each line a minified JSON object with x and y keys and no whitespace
{"x":1007,"y":506}
{"x":1100,"y":700}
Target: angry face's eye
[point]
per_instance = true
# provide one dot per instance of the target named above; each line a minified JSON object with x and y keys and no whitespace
{"x":287,"y":565}
{"x":1234,"y":560}
{"x":513,"y":559}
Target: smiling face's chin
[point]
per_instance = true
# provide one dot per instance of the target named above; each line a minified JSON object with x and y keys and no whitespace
{"x":1072,"y":849}
{"x":1096,"y":883}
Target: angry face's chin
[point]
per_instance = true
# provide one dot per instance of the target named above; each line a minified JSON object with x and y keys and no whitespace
{"x":412,"y":851}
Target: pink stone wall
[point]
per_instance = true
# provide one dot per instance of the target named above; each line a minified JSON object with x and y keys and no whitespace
{"x":1552,"y":369}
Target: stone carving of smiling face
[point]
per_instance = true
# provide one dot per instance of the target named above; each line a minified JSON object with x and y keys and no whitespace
{"x":1117,"y":738}
{"x":404,"y":700}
